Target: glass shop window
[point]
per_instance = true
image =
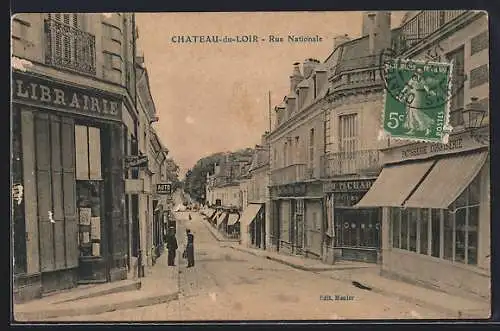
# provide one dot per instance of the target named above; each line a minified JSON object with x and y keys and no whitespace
{"x":436,"y":232}
{"x":424,"y":231}
{"x":412,"y":220}
{"x":396,"y":229}
{"x":89,"y":187}
{"x":404,"y":229}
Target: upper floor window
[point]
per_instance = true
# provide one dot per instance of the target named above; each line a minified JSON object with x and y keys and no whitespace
{"x":348,"y":135}
{"x":67,"y":45}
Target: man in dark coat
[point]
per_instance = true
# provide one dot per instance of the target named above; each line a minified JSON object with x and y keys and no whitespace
{"x":190,"y":248}
{"x":172,"y":247}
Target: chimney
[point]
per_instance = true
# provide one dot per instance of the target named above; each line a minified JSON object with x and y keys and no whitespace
{"x":377,"y":25}
{"x":320,"y":79}
{"x":302,"y":94}
{"x":339,"y":40}
{"x":280,"y":114}
{"x":291,"y":106}
{"x":308,"y":67}
{"x":296,"y":77}
{"x":370,"y":27}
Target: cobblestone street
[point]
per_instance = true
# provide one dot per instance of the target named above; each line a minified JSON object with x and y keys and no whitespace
{"x":226,"y":284}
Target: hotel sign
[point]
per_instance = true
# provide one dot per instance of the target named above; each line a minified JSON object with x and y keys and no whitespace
{"x":357,"y":185}
{"x":164,"y":188}
{"x":40,"y":92}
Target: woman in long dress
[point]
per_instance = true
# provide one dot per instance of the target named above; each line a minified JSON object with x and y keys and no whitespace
{"x":414,"y":95}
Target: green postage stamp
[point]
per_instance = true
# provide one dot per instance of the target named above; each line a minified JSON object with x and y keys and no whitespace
{"x":417,"y":99}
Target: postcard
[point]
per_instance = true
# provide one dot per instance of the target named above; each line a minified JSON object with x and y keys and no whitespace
{"x":278,"y":166}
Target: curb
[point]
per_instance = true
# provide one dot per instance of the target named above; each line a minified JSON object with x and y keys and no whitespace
{"x":94,"y":310}
{"x":124,"y":288}
{"x":297,"y":266}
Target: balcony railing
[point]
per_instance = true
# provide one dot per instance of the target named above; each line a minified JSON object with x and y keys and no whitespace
{"x":355,"y":64}
{"x":349,"y":163}
{"x":355,"y":80}
{"x":424,"y":24}
{"x":290,"y":174}
{"x":69,"y":47}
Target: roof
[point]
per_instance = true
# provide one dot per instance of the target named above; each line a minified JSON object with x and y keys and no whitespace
{"x":260,"y":158}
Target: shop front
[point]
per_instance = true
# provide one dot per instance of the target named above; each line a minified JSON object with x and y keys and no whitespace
{"x":71,"y":172}
{"x":436,"y":214}
{"x":298,"y":209}
{"x":352,"y":233}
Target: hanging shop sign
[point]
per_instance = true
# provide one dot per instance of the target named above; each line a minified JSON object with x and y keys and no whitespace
{"x":39,"y":92}
{"x":358,"y":185}
{"x":136,"y":161}
{"x":164,"y":188}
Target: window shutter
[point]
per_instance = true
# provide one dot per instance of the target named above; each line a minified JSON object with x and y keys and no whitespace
{"x":44,"y":192}
{"x":69,"y":187}
{"x":57,"y":192}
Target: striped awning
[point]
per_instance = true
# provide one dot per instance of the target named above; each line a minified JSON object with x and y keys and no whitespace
{"x":222,"y":216}
{"x":233,"y":219}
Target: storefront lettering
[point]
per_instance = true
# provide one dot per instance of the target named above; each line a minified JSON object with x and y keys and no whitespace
{"x":46,"y":93}
{"x":291,"y":190}
{"x":348,"y":186}
{"x":432,"y":148}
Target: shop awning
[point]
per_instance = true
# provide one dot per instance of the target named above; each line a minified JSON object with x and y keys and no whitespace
{"x":394,"y":185}
{"x":221,"y":218}
{"x":233,"y":219}
{"x":249,"y":214}
{"x":446,"y":181}
{"x":211,"y":213}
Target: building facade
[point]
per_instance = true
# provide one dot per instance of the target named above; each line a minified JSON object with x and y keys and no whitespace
{"x":254,"y":221}
{"x":73,"y":95}
{"x":435,"y":197}
{"x":296,"y":147}
{"x":352,"y":123}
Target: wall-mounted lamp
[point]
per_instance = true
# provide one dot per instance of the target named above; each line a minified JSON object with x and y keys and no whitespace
{"x":474,"y":114}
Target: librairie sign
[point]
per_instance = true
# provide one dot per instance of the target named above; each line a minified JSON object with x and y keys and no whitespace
{"x":164,"y":188}
{"x":40,"y":92}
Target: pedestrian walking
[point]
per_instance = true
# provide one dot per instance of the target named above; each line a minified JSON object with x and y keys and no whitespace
{"x":171,"y":246}
{"x":190,"y":248}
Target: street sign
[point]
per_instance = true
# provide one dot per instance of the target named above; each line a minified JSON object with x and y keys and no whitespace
{"x":164,"y":188}
{"x":136,"y":161}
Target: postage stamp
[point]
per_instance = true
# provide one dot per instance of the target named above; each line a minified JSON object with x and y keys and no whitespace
{"x":417,"y":99}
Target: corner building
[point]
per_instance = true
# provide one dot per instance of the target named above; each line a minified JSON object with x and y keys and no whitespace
{"x":72,"y":85}
{"x":435,"y":197}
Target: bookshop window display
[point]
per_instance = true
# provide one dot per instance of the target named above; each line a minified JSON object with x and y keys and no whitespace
{"x":450,"y":234}
{"x":90,"y":194}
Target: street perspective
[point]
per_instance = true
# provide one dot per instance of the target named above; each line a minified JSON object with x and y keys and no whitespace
{"x":258,"y":166}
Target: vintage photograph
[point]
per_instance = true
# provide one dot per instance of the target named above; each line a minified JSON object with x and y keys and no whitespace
{"x":243,"y":166}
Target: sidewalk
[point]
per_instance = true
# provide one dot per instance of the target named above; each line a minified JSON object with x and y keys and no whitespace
{"x":368,"y":275}
{"x":160,"y":285}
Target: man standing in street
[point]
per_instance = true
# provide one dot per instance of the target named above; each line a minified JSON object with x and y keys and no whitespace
{"x":171,"y":246}
{"x":190,"y":248}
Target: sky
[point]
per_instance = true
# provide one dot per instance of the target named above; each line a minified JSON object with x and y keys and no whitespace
{"x":213,"y":97}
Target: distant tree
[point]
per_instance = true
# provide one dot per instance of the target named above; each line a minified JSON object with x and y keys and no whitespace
{"x":195,"y":178}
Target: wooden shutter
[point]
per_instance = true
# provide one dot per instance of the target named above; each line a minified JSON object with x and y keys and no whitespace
{"x":57,"y":192}
{"x":44,"y":192}
{"x":30,"y":192}
{"x":118,"y":229}
{"x":69,"y":187}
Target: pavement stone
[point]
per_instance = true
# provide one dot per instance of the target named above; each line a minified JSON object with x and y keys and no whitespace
{"x":160,"y":285}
